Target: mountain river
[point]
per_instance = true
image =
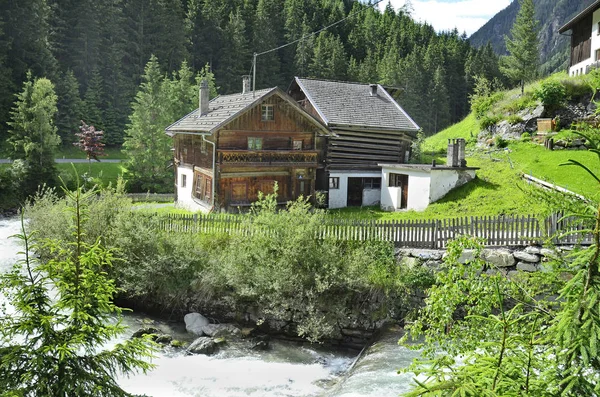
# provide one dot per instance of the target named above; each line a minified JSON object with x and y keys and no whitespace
{"x":286,"y":369}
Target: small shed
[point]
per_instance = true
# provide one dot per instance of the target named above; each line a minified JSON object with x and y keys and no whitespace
{"x":415,"y":186}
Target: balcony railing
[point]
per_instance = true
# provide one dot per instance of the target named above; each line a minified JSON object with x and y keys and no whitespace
{"x":267,"y":157}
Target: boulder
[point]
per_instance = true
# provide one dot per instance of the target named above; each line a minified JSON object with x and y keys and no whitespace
{"x":261,"y":342}
{"x":425,"y":254}
{"x":146,"y":331}
{"x":533,"y":250}
{"x":525,"y":257}
{"x":410,"y":262}
{"x":499,"y":258}
{"x":194,"y":322}
{"x":221,"y":330}
{"x":202,"y":345}
{"x":548,"y":253}
{"x":526,"y":267}
{"x":465,"y":256}
{"x":163,"y":339}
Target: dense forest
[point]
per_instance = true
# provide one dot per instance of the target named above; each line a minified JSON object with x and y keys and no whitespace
{"x":95,"y":51}
{"x":551,"y":14}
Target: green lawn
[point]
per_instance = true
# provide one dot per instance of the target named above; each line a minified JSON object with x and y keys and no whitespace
{"x":467,"y":129}
{"x":72,"y":152}
{"x":107,"y":173}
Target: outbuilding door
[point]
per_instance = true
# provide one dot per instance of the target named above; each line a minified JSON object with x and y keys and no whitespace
{"x":355,"y":192}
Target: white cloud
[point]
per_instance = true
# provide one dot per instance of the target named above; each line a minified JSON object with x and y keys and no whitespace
{"x":465,"y":15}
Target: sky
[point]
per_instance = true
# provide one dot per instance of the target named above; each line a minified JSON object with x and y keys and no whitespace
{"x":465,"y":15}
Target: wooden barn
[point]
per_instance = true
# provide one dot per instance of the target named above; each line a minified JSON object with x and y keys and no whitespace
{"x":368,"y":128}
{"x":234,"y":146}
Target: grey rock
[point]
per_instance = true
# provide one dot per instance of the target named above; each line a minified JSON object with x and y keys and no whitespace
{"x":500,"y":257}
{"x":146,"y":331}
{"x":194,"y":322}
{"x":423,"y":253}
{"x":221,"y":330}
{"x":525,"y":257}
{"x":410,"y":262}
{"x":548,"y":253}
{"x":526,"y":267}
{"x":202,"y":345}
{"x":513,"y":274}
{"x":163,"y":339}
{"x":465,"y":256}
{"x":533,"y":250}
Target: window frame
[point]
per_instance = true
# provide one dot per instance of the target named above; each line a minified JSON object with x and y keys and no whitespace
{"x":297,"y":144}
{"x":253,"y":143}
{"x":334,"y":182}
{"x":267,"y":112}
{"x":372,"y":183}
{"x":183,"y":180}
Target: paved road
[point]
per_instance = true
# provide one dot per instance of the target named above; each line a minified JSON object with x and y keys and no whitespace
{"x":8,"y":161}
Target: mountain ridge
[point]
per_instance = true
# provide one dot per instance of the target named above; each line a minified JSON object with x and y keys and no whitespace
{"x":551,"y":14}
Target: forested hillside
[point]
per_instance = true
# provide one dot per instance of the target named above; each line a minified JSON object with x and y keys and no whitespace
{"x":551,"y":14}
{"x":94,"y":51}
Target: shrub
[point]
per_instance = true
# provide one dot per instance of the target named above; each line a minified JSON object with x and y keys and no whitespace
{"x":500,"y":142}
{"x":551,"y":93}
{"x":514,"y":119}
{"x":525,"y":137}
{"x":486,"y":122}
{"x":484,"y":97}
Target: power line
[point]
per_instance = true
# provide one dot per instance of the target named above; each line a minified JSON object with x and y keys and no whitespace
{"x":253,"y":69}
{"x":320,"y":30}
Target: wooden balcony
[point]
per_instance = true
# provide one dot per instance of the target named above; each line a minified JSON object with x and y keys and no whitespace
{"x":305,"y":158}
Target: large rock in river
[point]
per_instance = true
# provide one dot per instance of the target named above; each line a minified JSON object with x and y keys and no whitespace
{"x":221,"y":330}
{"x":194,"y":322}
{"x":202,"y":345}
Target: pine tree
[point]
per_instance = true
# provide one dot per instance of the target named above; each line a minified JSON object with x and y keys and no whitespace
{"x":62,"y":315}
{"x":523,"y":46}
{"x":147,"y":146}
{"x":330,"y":61}
{"x":304,"y":50}
{"x":93,"y":101}
{"x":69,"y":107}
{"x":268,"y":34}
{"x":32,"y":135}
{"x":237,"y":57}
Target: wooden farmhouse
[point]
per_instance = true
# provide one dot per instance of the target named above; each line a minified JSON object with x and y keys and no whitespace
{"x":367,"y":128}
{"x":234,"y":146}
{"x":585,"y":40}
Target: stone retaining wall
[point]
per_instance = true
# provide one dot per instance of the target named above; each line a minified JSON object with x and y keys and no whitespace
{"x":507,"y":261}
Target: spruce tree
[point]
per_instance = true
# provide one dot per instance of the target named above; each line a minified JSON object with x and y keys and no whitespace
{"x":237,"y":57}
{"x":69,"y":107}
{"x":93,"y":101}
{"x":523,"y":46}
{"x":147,"y":146}
{"x":32,"y":135}
{"x":330,"y":60}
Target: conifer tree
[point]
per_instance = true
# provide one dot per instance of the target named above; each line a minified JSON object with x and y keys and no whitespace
{"x":237,"y":57}
{"x":93,"y":101}
{"x":330,"y":61}
{"x":69,"y":107}
{"x":523,"y":46}
{"x":146,"y":144}
{"x":32,"y":135}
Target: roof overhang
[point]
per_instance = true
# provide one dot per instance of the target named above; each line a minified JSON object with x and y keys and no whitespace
{"x":569,"y":25}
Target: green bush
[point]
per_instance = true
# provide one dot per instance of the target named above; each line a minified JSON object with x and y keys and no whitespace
{"x":526,"y":101}
{"x":500,"y":142}
{"x":484,"y":97}
{"x":551,"y":93}
{"x":525,"y":137}
{"x":486,"y":121}
{"x":514,"y":119}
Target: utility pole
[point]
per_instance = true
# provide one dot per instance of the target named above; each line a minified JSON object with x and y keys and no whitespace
{"x":254,"y":76}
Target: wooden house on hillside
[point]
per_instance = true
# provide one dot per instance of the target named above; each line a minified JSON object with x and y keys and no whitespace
{"x":585,"y":40}
{"x":234,"y":146}
{"x":368,"y":128}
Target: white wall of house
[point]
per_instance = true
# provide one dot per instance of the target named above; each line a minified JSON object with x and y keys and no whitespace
{"x":185,"y":198}
{"x":580,"y":68}
{"x":338,"y":198}
{"x":425,"y":186}
{"x":442,"y":181}
{"x":418,"y":189}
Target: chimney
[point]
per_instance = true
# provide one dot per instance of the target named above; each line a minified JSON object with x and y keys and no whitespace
{"x":461,"y":153}
{"x":204,"y":98}
{"x":373,"y":89}
{"x":246,"y":84}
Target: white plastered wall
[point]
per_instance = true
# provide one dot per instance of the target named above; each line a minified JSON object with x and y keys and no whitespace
{"x":442,"y":181}
{"x":580,"y":68}
{"x":419,"y":182}
{"x":338,"y":198}
{"x":184,"y":194}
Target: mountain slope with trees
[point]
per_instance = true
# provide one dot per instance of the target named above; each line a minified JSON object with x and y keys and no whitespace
{"x":551,"y":14}
{"x":95,"y":53}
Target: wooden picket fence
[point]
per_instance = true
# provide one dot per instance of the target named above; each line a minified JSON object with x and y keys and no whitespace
{"x":496,"y":231}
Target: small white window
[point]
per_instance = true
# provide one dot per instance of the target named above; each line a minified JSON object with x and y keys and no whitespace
{"x":297,"y":145}
{"x":183,"y":180}
{"x":255,"y":143}
{"x":334,"y":183}
{"x":267,"y":113}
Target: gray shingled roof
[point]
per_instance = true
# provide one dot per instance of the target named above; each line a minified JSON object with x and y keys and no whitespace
{"x":346,"y":104}
{"x":220,"y":110}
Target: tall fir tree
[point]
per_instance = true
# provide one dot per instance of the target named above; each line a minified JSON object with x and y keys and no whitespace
{"x":70,"y":107}
{"x":523,"y":60}
{"x":237,"y":56}
{"x":330,"y":61}
{"x":268,"y":34}
{"x":93,"y":101}
{"x":147,"y":146}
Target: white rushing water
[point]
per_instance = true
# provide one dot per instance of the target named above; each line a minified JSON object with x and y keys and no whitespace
{"x":286,"y":369}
